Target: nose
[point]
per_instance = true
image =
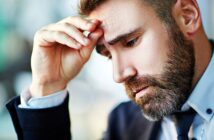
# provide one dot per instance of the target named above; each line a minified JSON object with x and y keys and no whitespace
{"x":122,"y":71}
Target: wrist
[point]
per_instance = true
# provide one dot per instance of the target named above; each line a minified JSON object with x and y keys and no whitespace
{"x":40,"y":90}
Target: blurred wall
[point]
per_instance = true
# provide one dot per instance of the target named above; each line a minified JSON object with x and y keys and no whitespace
{"x":19,"y":20}
{"x":207,"y":16}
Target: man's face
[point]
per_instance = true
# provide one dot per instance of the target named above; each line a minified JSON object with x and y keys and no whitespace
{"x":152,"y":60}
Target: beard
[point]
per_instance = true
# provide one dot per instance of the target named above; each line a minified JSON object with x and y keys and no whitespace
{"x":167,"y":92}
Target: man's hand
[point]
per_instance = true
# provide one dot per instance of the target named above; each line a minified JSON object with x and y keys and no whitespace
{"x":60,"y":51}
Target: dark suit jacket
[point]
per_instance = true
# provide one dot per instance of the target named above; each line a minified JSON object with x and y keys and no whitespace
{"x":125,"y":123}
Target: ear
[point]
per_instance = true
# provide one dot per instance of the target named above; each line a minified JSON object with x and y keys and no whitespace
{"x":187,"y":16}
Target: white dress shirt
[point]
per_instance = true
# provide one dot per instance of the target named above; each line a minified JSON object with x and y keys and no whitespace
{"x":201,"y":100}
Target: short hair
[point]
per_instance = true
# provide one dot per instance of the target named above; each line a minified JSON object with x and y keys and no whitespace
{"x":162,"y":8}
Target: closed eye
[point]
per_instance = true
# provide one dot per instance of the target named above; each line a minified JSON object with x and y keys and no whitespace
{"x":131,"y":42}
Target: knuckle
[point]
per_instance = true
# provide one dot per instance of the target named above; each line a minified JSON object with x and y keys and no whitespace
{"x":55,"y":34}
{"x":66,"y":25}
{"x":88,"y":23}
{"x":90,"y":26}
{"x":64,"y":35}
{"x":82,"y":21}
{"x":73,"y":19}
{"x":38,"y":34}
{"x":59,"y":33}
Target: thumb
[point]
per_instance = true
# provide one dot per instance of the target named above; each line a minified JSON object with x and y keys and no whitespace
{"x":93,"y":37}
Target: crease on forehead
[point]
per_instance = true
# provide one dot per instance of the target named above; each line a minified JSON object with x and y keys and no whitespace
{"x":116,"y":19}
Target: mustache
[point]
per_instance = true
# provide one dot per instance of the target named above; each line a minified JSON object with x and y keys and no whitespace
{"x":138,"y":83}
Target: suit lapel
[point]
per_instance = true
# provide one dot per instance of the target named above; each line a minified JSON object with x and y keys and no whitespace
{"x":142,"y":129}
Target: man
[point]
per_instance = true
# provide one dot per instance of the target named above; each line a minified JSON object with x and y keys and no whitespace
{"x":160,"y":53}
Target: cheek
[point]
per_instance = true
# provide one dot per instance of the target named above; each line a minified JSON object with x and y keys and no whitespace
{"x":151,"y":54}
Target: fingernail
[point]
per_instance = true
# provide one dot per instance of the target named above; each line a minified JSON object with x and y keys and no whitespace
{"x":95,"y":21}
{"x":99,"y":32}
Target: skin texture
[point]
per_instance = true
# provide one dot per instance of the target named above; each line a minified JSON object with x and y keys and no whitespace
{"x":169,"y":59}
{"x":60,"y":51}
{"x":160,"y":59}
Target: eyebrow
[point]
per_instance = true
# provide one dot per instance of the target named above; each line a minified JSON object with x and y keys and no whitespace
{"x":101,"y":47}
{"x":123,"y":36}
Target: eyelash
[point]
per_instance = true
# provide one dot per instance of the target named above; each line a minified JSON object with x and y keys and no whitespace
{"x":131,"y":42}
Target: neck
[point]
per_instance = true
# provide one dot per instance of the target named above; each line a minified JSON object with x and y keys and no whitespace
{"x":203,"y":54}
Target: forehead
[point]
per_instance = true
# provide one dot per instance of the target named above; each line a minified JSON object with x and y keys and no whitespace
{"x":120,"y":16}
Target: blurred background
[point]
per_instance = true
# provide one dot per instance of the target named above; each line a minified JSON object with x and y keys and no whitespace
{"x":93,"y":93}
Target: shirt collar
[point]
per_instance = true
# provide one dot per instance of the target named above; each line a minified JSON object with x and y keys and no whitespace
{"x":202,"y":97}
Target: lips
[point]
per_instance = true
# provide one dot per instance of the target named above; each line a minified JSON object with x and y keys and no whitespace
{"x":139,"y":85}
{"x":137,"y":90}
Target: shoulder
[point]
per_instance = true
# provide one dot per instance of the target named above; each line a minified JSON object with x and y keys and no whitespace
{"x":126,"y":121}
{"x":125,"y":114}
{"x":125,"y":108}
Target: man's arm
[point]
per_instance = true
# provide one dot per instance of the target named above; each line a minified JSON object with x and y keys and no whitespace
{"x":40,"y":124}
{"x":60,"y":50}
{"x":54,"y":99}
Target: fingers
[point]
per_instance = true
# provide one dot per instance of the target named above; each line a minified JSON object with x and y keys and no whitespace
{"x":69,"y":32}
{"x":85,"y":52}
{"x":50,"y":37}
{"x":73,"y":32}
{"x":94,"y":36}
{"x":82,"y":24}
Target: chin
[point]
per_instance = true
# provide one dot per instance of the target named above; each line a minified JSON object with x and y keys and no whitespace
{"x":150,"y":118}
{"x":152,"y":115}
{"x":154,"y":111}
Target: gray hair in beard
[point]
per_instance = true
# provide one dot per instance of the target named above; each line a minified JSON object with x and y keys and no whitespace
{"x":170,"y":90}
